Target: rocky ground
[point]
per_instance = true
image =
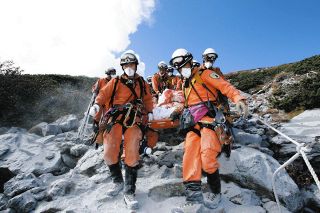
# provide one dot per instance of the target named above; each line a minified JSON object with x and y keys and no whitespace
{"x":47,"y":169}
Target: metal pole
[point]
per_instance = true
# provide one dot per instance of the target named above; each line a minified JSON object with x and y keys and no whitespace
{"x":276,"y":172}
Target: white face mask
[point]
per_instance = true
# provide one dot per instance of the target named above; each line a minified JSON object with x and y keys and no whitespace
{"x":113,"y":76}
{"x":169,"y":73}
{"x":186,"y":72}
{"x":208,"y":64}
{"x":129,"y":71}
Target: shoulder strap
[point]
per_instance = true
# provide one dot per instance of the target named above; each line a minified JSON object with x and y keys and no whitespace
{"x":113,"y":92}
{"x":131,"y":88}
{"x":197,"y":78}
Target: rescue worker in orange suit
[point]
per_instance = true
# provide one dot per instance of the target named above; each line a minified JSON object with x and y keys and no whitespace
{"x":173,"y":81}
{"x":110,"y":73}
{"x":126,"y":98}
{"x":202,"y":144}
{"x":160,"y":79}
{"x":195,"y":63}
{"x":209,"y":56}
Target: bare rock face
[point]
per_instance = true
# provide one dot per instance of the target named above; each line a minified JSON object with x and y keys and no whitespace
{"x":20,"y":184}
{"x":68,"y":123}
{"x":24,"y":202}
{"x":51,"y":129}
{"x":60,"y":188}
{"x":38,"y":129}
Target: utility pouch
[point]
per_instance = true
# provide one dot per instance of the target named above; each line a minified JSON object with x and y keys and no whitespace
{"x":223,"y":134}
{"x":198,"y":111}
{"x":186,"y":121}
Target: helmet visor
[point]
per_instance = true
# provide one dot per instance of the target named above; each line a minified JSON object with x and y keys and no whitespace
{"x":210,"y":57}
{"x":177,"y":61}
{"x":128,"y":58}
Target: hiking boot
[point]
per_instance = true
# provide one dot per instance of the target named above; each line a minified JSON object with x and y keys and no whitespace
{"x":130,"y":179}
{"x":194,"y":198}
{"x":115,"y":189}
{"x":213,"y":197}
{"x":212,"y":200}
{"x":214,"y":182}
{"x":117,"y":179}
{"x":130,"y":187}
{"x":130,"y":201}
{"x":188,"y":207}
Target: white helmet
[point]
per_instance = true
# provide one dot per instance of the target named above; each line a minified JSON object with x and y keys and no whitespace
{"x":127,"y":57}
{"x":162,"y":64}
{"x":209,"y":55}
{"x":195,"y":63}
{"x":180,"y":57}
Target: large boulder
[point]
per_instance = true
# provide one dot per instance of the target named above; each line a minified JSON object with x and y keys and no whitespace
{"x":254,"y":169}
{"x":90,"y":163}
{"x":30,"y":153}
{"x":24,"y":202}
{"x":245,"y":138}
{"x":38,"y":129}
{"x":21,"y":183}
{"x":68,"y":123}
{"x":51,"y":129}
{"x":60,"y":187}
{"x":240,"y":196}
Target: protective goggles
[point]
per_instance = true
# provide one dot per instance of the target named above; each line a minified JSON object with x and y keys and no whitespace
{"x":162,"y":66}
{"x":210,"y":57}
{"x":128,"y":58}
{"x":111,"y":72}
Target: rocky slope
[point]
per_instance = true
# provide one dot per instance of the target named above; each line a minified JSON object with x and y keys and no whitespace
{"x":47,"y":169}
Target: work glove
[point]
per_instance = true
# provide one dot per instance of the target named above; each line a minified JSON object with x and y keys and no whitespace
{"x":150,"y":116}
{"x":242,"y":108}
{"x":94,"y":110}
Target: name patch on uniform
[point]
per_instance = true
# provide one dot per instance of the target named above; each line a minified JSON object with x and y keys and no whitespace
{"x":214,"y":75}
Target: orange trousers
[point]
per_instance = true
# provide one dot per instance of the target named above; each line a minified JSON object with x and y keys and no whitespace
{"x":112,"y":142}
{"x":200,"y":153}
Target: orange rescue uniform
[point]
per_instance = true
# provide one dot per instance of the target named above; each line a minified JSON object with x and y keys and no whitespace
{"x":160,"y":83}
{"x":200,"y":152}
{"x":132,"y":135}
{"x":96,"y":89}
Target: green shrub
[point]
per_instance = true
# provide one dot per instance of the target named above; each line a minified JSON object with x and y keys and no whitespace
{"x":26,"y":100}
{"x":304,"y":94}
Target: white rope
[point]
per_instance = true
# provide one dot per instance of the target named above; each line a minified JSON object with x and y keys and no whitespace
{"x":301,"y":148}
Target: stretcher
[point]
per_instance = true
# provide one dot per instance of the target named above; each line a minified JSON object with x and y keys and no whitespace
{"x":163,"y":124}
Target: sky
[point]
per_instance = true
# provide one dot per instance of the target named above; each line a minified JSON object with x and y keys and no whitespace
{"x":81,"y":37}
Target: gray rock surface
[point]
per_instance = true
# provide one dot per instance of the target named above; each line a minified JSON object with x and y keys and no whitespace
{"x":245,"y":138}
{"x":38,"y":129}
{"x":68,"y":123}
{"x":24,"y":202}
{"x":20,"y":184}
{"x":253,"y":169}
{"x":51,"y":129}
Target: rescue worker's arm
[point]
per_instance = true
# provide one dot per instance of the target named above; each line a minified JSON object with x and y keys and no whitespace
{"x":214,"y":80}
{"x":147,"y":99}
{"x":155,"y":84}
{"x":94,"y":87}
{"x":104,"y":95}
